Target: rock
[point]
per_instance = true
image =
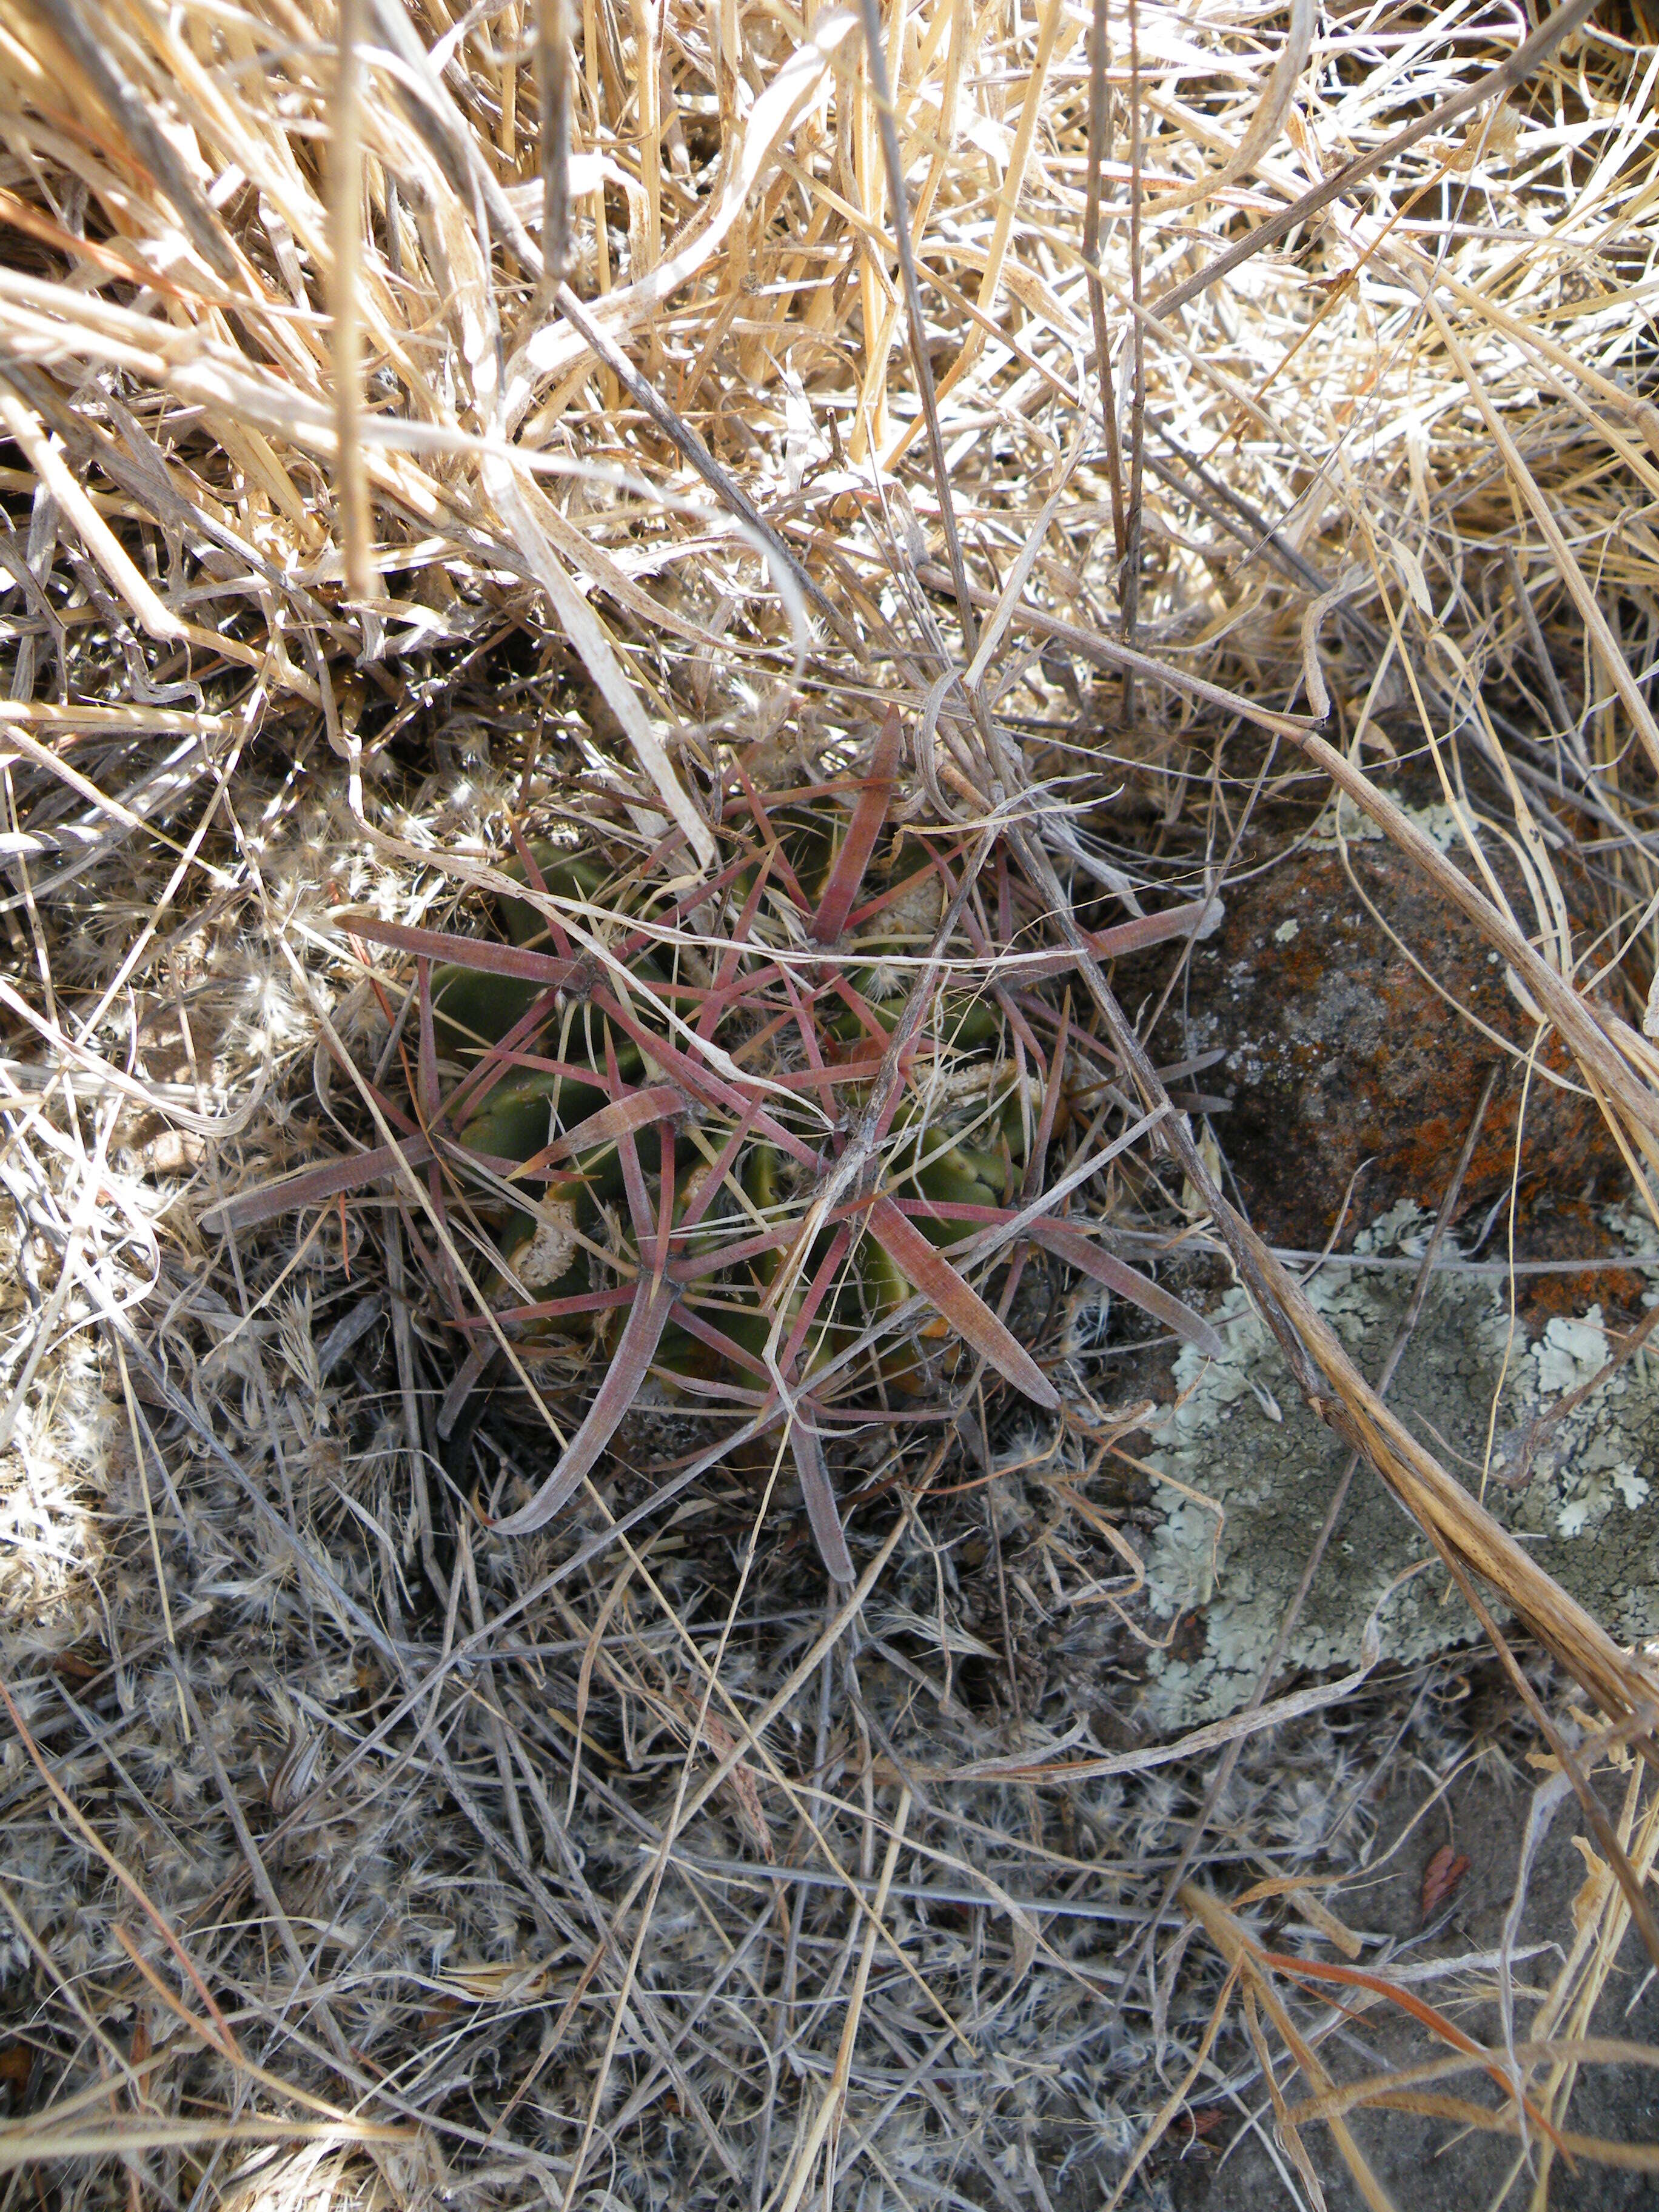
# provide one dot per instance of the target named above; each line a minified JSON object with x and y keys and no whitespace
{"x":1341,"y":1051}
{"x":1238,"y":1436}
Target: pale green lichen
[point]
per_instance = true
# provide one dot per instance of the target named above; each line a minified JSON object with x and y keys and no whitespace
{"x":1248,"y":1472}
{"x":1342,"y":823}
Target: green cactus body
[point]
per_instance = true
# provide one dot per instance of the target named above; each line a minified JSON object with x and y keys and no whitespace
{"x":516,"y":1120}
{"x":566,"y":874}
{"x":963,"y":1020}
{"x":522,"y":1126}
{"x":471,"y":1011}
{"x":761,"y":1186}
{"x":959,"y":1138}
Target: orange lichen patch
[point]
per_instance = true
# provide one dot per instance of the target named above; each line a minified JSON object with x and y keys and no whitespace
{"x":1542,"y":1297}
{"x":1359,"y":1017}
{"x":1572,"y":1228}
{"x":1424,"y":1146}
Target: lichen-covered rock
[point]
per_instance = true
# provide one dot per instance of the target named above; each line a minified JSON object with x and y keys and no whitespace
{"x":1257,"y":1470}
{"x":1342,"y":1054}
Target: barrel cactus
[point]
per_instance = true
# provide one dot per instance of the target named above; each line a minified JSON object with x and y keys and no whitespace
{"x":775,"y":1136}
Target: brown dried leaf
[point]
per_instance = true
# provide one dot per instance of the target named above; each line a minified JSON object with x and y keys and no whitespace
{"x":740,"y":1783}
{"x":1441,"y":1877}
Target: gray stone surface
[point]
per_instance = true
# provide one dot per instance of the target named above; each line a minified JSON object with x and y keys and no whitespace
{"x":1247,"y":1474}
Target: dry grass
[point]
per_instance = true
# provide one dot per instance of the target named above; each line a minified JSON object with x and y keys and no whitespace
{"x":395,"y":472}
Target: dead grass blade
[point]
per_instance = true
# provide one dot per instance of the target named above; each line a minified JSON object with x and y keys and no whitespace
{"x":40,"y":2141}
{"x":1492,"y":86}
{"x":1235,"y":1947}
{"x":439,"y":441}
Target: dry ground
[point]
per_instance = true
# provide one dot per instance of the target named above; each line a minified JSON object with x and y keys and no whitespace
{"x":423,"y":435}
